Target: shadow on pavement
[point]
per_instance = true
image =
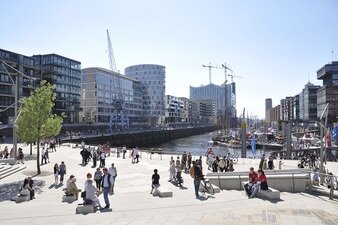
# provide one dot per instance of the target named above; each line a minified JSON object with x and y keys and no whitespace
{"x":11,"y":190}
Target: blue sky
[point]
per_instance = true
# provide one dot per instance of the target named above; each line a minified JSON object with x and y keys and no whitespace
{"x":275,"y":45}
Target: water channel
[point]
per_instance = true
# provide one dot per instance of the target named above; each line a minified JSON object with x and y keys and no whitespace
{"x":198,"y":144}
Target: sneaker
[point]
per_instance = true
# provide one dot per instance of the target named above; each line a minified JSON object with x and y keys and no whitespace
{"x":107,"y":207}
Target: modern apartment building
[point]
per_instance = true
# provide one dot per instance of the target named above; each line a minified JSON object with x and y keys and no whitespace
{"x":99,"y":96}
{"x":308,"y":103}
{"x":224,"y":97}
{"x":173,"y":109}
{"x":153,"y":77}
{"x":268,"y":107}
{"x":65,"y":74}
{"x":328,"y":93}
{"x":24,"y":64}
{"x":203,"y":111}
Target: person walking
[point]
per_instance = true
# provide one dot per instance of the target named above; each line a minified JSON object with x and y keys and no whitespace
{"x":62,"y":171}
{"x":155,"y":181}
{"x":196,"y":173}
{"x":113,"y":172}
{"x":56,"y":173}
{"x":98,"y":178}
{"x":107,"y":181}
{"x":20,"y":156}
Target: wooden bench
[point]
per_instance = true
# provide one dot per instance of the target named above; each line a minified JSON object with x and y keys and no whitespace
{"x":85,"y":209}
{"x":269,"y":194}
{"x":9,"y":161}
{"x":162,"y":192}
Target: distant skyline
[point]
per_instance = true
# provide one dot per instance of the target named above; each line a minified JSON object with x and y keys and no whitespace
{"x":276,"y":46}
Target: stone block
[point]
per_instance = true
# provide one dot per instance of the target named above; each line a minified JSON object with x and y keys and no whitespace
{"x":68,"y":198}
{"x":85,"y":209}
{"x":22,"y":198}
{"x":269,"y":194}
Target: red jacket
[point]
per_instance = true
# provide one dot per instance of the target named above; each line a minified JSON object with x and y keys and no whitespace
{"x":253,"y":177}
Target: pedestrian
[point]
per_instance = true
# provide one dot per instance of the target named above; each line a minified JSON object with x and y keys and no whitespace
{"x":184,"y":161}
{"x":20,"y":156}
{"x":6,"y":153}
{"x":172,"y":170}
{"x":46,"y":155}
{"x":62,"y":170}
{"x":270,"y":163}
{"x":56,"y":173}
{"x":137,"y":155}
{"x":124,"y":150}
{"x":196,"y":173}
{"x":98,"y":178}
{"x":155,"y":181}
{"x":94,"y":154}
{"x":189,"y":160}
{"x":113,"y":172}
{"x":178,"y":168}
{"x":107,"y":181}
{"x":102,"y":159}
{"x":261,"y":162}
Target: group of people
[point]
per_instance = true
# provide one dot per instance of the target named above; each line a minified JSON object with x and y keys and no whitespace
{"x":176,"y":167}
{"x":257,"y":182}
{"x":219,"y":163}
{"x":104,"y":183}
{"x":94,"y":154}
{"x":6,"y":153}
{"x":266,"y":164}
{"x":59,"y":171}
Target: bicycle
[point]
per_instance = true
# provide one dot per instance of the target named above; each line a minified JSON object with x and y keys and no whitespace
{"x":207,"y":187}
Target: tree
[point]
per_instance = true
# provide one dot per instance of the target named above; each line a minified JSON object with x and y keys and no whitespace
{"x":36,"y":121}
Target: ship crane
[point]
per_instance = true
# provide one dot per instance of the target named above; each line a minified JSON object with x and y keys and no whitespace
{"x":119,"y":114}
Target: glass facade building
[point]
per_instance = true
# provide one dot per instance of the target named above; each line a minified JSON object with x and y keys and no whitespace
{"x":24,"y":64}
{"x":153,"y":78}
{"x":65,"y":74}
{"x":328,"y":93}
{"x":99,"y":94}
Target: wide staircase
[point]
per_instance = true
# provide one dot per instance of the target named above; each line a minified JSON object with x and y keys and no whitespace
{"x":7,"y":170}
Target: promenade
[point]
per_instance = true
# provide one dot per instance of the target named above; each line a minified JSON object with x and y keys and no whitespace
{"x":132,"y":203}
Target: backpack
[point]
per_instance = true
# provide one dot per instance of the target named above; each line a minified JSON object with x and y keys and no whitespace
{"x":192,"y":172}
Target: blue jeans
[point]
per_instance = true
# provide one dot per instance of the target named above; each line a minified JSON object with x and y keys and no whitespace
{"x":105,"y":195}
{"x":197,"y":182}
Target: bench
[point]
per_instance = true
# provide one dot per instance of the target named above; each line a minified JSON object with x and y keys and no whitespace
{"x":22,"y":198}
{"x":68,"y":198}
{"x":269,"y":194}
{"x":85,"y":209}
{"x":10,"y":161}
{"x":162,"y":192}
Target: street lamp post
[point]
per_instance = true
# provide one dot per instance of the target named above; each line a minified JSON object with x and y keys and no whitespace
{"x":16,"y":98}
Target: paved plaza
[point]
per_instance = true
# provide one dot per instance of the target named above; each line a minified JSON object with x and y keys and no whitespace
{"x":132,"y":203}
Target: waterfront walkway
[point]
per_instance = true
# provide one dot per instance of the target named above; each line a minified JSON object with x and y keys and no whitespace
{"x":132,"y":203}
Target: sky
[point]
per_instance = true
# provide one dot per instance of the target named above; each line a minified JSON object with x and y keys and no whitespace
{"x":276,"y":46}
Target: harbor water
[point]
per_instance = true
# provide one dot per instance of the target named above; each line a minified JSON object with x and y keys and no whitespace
{"x":197,"y":145}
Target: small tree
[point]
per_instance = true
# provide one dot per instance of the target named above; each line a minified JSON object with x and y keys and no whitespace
{"x":36,"y":121}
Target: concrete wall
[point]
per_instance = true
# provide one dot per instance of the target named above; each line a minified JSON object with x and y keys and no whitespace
{"x":145,"y":138}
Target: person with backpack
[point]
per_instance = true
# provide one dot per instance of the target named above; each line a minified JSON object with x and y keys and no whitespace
{"x":196,"y":173}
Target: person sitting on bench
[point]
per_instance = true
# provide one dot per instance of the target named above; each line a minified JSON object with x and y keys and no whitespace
{"x":27,"y":188}
{"x":91,"y":194}
{"x":261,"y":184}
{"x":72,"y":189}
{"x":252,"y":180}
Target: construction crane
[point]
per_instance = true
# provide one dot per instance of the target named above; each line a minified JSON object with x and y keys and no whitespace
{"x":232,"y":76}
{"x":210,"y":66}
{"x":225,"y":72}
{"x":119,"y":114}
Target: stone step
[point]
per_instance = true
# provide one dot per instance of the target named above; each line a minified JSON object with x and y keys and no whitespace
{"x":11,"y":170}
{"x":4,"y":168}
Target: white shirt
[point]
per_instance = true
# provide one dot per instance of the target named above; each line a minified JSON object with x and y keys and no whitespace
{"x":112,"y":171}
{"x":91,"y":192}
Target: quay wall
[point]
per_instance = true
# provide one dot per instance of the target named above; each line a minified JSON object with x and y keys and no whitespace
{"x":143,"y":138}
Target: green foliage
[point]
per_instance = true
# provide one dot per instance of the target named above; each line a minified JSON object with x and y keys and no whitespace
{"x":36,"y":120}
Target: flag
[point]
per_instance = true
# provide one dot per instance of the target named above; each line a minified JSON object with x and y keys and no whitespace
{"x":335,"y":133}
{"x":253,"y":144}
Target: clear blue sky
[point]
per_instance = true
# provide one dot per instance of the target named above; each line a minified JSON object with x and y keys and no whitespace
{"x":275,"y":45}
